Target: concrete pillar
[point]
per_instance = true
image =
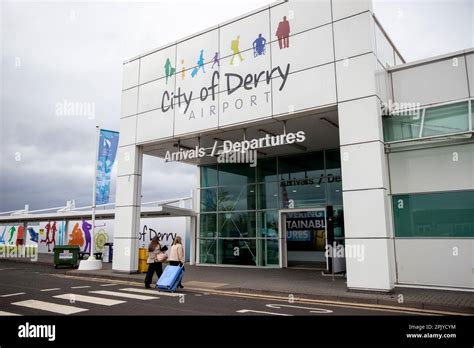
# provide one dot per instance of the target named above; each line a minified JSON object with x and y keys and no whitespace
{"x":367,"y":209}
{"x":127,"y":209}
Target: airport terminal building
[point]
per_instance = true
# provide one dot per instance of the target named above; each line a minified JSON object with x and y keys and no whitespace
{"x":316,"y":145}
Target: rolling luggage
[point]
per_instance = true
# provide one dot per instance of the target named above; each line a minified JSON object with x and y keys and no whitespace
{"x":170,"y":278}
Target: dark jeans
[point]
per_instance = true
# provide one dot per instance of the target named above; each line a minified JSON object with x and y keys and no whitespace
{"x":177,"y":263}
{"x":153,"y":267}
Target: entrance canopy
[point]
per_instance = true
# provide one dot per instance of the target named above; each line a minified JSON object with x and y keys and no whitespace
{"x":320,"y":128}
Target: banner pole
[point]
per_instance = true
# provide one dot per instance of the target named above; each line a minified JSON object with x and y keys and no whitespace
{"x":96,"y":158}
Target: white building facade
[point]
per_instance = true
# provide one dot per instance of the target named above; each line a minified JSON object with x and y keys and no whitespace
{"x":352,"y":147}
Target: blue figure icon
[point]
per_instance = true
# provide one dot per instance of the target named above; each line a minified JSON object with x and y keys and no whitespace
{"x":200,"y":63}
{"x":259,"y":46}
{"x":33,"y":235}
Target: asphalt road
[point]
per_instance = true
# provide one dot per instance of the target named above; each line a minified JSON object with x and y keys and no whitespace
{"x":40,"y":290}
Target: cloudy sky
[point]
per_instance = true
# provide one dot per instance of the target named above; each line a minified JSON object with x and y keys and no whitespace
{"x":54,"y":52}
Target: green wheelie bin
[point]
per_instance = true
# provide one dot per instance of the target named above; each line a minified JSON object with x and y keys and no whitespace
{"x":66,"y":255}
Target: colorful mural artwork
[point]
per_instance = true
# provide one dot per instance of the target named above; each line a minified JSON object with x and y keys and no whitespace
{"x":234,"y":47}
{"x":76,"y":237}
{"x":283,"y":33}
{"x":12,"y":231}
{"x":50,"y":235}
{"x":86,"y":228}
{"x":33,"y":234}
{"x":100,"y":238}
{"x":19,"y":236}
{"x":2,"y":237}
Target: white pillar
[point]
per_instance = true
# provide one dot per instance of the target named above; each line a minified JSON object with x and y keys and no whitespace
{"x":127,"y":209}
{"x":367,"y":209}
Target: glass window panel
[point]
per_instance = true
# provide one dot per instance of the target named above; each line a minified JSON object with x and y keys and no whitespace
{"x":232,"y":198}
{"x":238,"y":225}
{"x":267,"y":170}
{"x":308,"y":195}
{"x":301,"y":166}
{"x":268,"y":224}
{"x":208,"y":176}
{"x":207,"y":225}
{"x":446,"y":119}
{"x":238,"y":252}
{"x":208,"y":251}
{"x":402,"y":126}
{"x":209,"y":199}
{"x":443,"y":214}
{"x":236,"y":174}
{"x":267,"y":196}
{"x":268,"y":252}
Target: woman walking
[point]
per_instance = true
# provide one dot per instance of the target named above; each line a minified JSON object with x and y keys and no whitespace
{"x":155,"y":257}
{"x":177,"y":255}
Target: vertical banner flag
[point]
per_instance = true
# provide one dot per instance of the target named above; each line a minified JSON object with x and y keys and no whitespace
{"x":108,"y":143}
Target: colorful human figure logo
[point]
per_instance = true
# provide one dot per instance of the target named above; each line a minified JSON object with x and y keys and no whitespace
{"x":183,"y":70}
{"x":234,"y":47}
{"x":86,"y":228}
{"x":215,"y":60}
{"x":19,"y":236}
{"x":283,"y":33}
{"x":169,"y":70}
{"x":259,"y":46}
{"x":2,"y":237}
{"x":200,"y":64}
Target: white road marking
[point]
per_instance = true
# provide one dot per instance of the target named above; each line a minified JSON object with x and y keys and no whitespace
{"x":312,"y":309}
{"x":80,"y":287}
{"x":262,"y":312}
{"x":2,"y":313}
{"x":121,"y":294}
{"x":108,"y":284}
{"x":52,"y":289}
{"x":153,"y":292}
{"x":49,"y":307}
{"x":15,"y":294}
{"x":89,"y":299}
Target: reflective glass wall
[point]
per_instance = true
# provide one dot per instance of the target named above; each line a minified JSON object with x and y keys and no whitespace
{"x":239,"y":204}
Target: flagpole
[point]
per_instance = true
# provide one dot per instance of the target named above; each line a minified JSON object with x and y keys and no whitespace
{"x":96,"y":159}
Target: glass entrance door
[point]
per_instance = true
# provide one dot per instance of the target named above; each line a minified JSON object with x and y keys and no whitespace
{"x":304,"y":238}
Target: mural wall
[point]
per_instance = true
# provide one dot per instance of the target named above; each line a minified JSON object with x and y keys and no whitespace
{"x":45,"y":235}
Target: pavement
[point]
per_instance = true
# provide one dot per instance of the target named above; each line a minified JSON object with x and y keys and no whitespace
{"x":287,"y":283}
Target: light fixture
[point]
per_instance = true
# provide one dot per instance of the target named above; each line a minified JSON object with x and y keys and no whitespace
{"x":294,"y":191}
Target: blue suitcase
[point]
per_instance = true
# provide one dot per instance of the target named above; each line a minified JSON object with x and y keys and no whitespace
{"x":170,"y":278}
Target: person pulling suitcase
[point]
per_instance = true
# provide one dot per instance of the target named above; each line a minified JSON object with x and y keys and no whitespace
{"x":176,"y":257}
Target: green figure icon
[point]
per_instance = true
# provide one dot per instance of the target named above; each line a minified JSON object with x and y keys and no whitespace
{"x":169,"y":70}
{"x":234,"y":46}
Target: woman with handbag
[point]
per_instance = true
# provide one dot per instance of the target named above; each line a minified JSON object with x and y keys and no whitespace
{"x":155,"y":257}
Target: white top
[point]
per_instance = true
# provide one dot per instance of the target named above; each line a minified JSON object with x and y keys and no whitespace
{"x":177,"y":253}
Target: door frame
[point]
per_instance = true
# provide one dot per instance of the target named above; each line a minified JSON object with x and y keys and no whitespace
{"x":283,"y":237}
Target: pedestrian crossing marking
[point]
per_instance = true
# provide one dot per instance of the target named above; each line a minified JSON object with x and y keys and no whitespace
{"x":90,"y":299}
{"x":49,"y":307}
{"x":52,"y":289}
{"x":15,"y":294}
{"x":107,"y":284}
{"x":80,"y":287}
{"x":2,"y":313}
{"x":121,"y":294}
{"x":153,"y":292}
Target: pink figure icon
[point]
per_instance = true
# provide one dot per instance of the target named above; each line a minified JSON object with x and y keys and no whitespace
{"x":283,"y":33}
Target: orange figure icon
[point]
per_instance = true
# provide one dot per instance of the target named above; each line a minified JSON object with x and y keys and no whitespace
{"x":76,"y":238}
{"x":183,"y":71}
